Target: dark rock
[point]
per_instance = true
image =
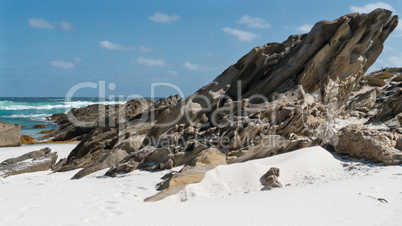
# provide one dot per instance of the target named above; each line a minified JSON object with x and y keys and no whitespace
{"x":390,"y":112}
{"x":78,"y":122}
{"x":270,"y":178}
{"x":41,"y":160}
{"x":90,"y":149}
{"x":382,"y":200}
{"x":364,"y":102}
{"x":59,"y":118}
{"x":30,"y":155}
{"x":125,"y":167}
{"x":109,"y":159}
{"x":105,"y":146}
{"x":39,"y":126}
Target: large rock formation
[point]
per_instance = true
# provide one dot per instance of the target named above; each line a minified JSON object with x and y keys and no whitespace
{"x":277,"y":98}
{"x":10,"y":134}
{"x":108,"y":142}
{"x":369,"y":144}
{"x":78,"y":122}
{"x":39,"y":161}
{"x":326,"y":63}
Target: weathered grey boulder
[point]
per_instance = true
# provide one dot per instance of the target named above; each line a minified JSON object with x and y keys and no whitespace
{"x":364,"y":102}
{"x":270,"y":178}
{"x":369,"y":144}
{"x":90,"y":150}
{"x":390,"y":112}
{"x":10,"y":134}
{"x":109,"y":159}
{"x":30,"y":155}
{"x":41,"y":160}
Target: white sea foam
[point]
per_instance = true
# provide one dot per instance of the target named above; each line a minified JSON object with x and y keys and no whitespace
{"x":65,"y":105}
{"x":5,"y":102}
{"x":33,"y":117}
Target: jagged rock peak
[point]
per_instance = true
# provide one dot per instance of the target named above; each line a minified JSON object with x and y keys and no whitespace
{"x":326,"y":64}
{"x":339,"y":50}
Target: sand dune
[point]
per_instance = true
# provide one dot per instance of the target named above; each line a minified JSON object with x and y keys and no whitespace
{"x":323,"y":191}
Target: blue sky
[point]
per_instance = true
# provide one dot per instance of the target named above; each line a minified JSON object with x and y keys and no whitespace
{"x":47,"y":47}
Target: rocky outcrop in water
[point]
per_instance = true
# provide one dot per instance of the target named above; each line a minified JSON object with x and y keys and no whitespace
{"x":10,"y":134}
{"x":39,"y":126}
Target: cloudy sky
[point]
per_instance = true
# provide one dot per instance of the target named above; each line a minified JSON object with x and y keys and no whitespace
{"x":47,"y":47}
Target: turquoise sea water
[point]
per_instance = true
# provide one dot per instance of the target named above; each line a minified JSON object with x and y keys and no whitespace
{"x":30,"y":111}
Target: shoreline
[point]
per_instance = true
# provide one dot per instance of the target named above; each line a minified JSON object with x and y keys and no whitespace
{"x":351,"y":196}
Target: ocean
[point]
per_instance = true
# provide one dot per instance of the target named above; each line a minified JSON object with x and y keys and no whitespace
{"x":30,"y":111}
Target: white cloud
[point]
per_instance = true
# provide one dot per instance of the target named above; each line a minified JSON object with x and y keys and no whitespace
{"x":66,"y":25}
{"x":145,"y":49}
{"x":62,"y":64}
{"x":254,"y":22}
{"x":77,"y":59}
{"x":195,"y":67}
{"x":150,"y":62}
{"x":396,"y":61}
{"x":305,"y":28}
{"x":243,"y":36}
{"x":370,"y":7}
{"x":171,"y":72}
{"x":204,"y":54}
{"x":114,"y":46}
{"x":164,"y":18}
{"x":40,"y":23}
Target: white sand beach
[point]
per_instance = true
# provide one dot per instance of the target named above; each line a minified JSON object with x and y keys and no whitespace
{"x":321,"y":190}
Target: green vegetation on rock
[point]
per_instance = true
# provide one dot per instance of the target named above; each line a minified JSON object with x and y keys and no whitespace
{"x":384,"y":75}
{"x":397,"y":78}
{"x":373,"y":81}
{"x":395,"y":69}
